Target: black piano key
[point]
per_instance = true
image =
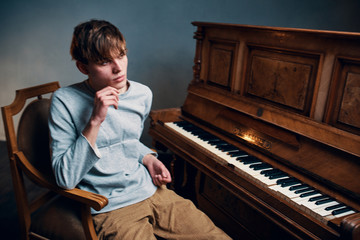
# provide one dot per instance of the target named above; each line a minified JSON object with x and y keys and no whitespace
{"x":291,"y":183}
{"x":189,"y":127}
{"x":197,"y":131}
{"x":307,"y":194}
{"x":275,"y":174}
{"x":249,"y":160}
{"x":298,"y":187}
{"x":290,"y":179}
{"x":208,"y":138}
{"x":194,"y":130}
{"x":313,"y":199}
{"x":269,"y":172}
{"x":214,"y":141}
{"x":323,"y":201}
{"x":253,"y":165}
{"x":229,"y":152}
{"x":182,"y":123}
{"x":219,"y":143}
{"x":204,"y":137}
{"x":339,"y":205}
{"x":226,"y":148}
{"x":239,"y":158}
{"x":303,"y":190}
{"x":239,"y":153}
{"x":341,"y":210}
{"x":280,"y":175}
{"x":260,"y":166}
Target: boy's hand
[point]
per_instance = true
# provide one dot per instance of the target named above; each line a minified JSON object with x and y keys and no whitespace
{"x":103,"y":99}
{"x":159,"y":173}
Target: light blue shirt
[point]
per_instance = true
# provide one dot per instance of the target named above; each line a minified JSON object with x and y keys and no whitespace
{"x":113,"y":168}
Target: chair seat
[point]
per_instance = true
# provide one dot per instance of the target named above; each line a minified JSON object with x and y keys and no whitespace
{"x":58,"y":219}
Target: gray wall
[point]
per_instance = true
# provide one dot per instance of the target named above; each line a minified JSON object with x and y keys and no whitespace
{"x":35,"y":36}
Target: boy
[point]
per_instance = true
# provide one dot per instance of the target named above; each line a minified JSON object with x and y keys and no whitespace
{"x":95,"y":126}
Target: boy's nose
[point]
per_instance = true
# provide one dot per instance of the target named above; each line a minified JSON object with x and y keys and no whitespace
{"x":117,"y":67}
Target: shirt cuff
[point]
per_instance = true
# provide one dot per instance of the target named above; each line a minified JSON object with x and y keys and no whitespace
{"x":95,"y":149}
{"x":144,"y":150}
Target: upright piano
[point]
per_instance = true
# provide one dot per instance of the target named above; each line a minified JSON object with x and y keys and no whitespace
{"x":268,"y":137}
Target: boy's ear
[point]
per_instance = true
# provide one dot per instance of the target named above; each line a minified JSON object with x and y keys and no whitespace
{"x":83,"y":68}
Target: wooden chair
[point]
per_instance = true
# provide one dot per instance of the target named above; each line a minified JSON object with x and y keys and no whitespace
{"x":58,"y":213}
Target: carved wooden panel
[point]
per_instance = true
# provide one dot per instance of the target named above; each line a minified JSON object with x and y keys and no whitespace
{"x":344,"y":100}
{"x":349,"y":108}
{"x":221,"y":64}
{"x":282,"y":77}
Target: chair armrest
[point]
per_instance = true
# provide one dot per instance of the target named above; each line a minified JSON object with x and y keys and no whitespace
{"x":94,"y":200}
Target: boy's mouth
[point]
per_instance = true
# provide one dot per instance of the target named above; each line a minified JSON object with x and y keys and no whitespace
{"x":119,"y":79}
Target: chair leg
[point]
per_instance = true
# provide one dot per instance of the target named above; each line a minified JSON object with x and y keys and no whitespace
{"x":21,"y":201}
{"x":87,"y":222}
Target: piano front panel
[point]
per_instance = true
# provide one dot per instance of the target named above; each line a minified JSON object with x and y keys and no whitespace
{"x":221,"y":64}
{"x":343,"y":108}
{"x":289,"y":69}
{"x":290,"y":77}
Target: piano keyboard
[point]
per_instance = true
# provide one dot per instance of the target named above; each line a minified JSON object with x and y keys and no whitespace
{"x":307,"y":198}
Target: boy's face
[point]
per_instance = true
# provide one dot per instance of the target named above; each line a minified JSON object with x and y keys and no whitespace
{"x":112,"y":73}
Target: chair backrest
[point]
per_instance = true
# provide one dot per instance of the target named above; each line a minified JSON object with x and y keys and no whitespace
{"x":31,"y":140}
{"x":33,"y":135}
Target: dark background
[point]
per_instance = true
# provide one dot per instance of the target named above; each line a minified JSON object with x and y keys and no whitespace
{"x":35,"y":37}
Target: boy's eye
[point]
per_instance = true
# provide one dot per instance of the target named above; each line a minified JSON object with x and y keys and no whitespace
{"x":122,"y":54}
{"x":104,"y":63}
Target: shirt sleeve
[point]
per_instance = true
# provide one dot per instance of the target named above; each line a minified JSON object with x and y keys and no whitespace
{"x":143,"y":149}
{"x":71,"y":153}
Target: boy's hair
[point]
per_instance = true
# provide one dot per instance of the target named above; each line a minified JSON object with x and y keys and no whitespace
{"x":97,"y":41}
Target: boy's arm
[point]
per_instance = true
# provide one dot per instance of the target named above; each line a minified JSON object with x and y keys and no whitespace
{"x":73,"y":155}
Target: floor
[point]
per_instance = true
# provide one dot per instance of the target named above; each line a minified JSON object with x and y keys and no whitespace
{"x":9,"y":226}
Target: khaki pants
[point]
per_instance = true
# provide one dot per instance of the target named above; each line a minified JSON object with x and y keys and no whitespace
{"x":165,"y":214}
